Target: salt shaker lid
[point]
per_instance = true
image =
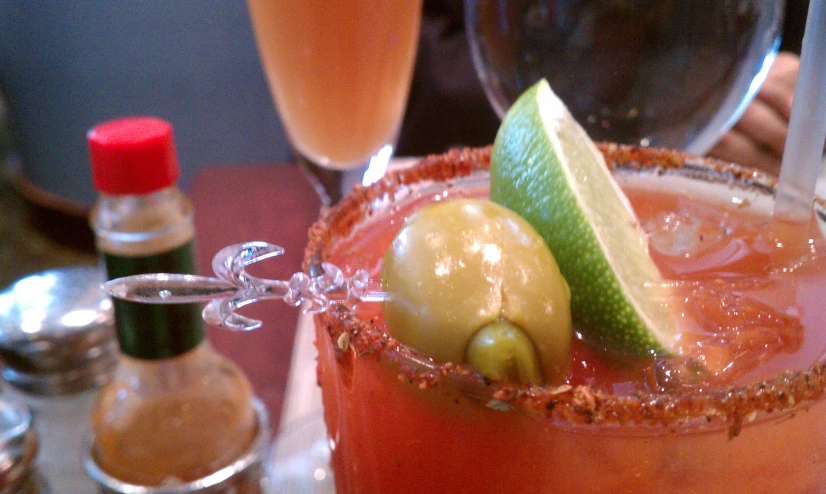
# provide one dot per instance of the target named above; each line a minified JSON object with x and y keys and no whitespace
{"x":57,"y":331}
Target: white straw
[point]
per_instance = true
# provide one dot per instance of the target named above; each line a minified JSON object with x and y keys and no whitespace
{"x":807,"y":125}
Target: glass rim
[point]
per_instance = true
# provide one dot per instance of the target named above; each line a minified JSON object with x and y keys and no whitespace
{"x":583,"y":407}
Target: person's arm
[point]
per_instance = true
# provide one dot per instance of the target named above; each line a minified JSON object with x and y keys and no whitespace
{"x":758,"y":138}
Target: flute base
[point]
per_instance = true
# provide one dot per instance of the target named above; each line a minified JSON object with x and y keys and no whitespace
{"x":331,"y":184}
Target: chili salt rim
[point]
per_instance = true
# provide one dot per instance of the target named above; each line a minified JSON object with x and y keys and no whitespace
{"x":580,"y":405}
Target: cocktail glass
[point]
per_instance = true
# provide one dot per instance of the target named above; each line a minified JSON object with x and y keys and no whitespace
{"x":398,"y":421}
{"x":650,"y":73}
{"x":340,"y":74}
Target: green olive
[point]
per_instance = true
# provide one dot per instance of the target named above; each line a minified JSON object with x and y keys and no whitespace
{"x":503,"y":352}
{"x":460,"y":265}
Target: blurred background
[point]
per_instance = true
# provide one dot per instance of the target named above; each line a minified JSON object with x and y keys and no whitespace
{"x":65,"y":66}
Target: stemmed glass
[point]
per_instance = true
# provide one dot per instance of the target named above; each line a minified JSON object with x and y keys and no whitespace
{"x":660,"y":73}
{"x":339,"y":72}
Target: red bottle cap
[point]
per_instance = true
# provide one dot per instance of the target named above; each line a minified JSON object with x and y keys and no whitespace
{"x":134,"y":155}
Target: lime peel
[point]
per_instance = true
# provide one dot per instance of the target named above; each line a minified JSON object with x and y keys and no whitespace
{"x":546,"y":168}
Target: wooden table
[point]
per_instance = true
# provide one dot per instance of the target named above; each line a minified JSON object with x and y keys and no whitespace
{"x":276,"y":204}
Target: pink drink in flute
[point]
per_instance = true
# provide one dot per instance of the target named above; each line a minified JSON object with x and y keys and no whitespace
{"x":742,"y":410}
{"x":339,"y":72}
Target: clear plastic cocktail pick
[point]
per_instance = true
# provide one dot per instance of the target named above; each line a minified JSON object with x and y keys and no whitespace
{"x":235,"y":288}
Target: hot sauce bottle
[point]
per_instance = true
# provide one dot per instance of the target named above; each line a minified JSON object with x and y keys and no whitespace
{"x":175,"y":410}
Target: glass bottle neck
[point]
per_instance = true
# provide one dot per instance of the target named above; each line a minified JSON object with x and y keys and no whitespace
{"x":155,"y":331}
{"x":150,"y":233}
{"x":142,"y":224}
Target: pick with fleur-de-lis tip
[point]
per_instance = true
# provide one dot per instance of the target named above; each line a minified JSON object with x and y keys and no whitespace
{"x":234,"y":288}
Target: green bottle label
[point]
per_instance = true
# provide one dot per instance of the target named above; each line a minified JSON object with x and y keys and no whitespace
{"x":148,"y":331}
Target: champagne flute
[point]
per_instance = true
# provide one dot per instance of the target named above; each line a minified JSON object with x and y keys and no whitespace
{"x":339,"y":72}
{"x":666,"y":73}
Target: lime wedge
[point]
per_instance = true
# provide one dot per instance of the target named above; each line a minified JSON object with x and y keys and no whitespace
{"x":546,"y":168}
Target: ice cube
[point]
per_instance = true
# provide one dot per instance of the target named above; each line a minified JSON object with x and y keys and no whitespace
{"x":678,"y":373}
{"x":739,"y":332}
{"x":678,"y":233}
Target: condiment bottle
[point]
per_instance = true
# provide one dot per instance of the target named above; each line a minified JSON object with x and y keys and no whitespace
{"x":175,"y":410}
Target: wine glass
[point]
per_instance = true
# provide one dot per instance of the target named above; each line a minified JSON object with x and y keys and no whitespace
{"x":339,"y":72}
{"x":666,"y":73}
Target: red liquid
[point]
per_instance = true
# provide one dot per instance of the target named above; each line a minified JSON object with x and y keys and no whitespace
{"x":741,"y":324}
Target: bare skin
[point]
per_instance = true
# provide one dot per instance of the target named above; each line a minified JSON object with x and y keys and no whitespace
{"x":758,"y":138}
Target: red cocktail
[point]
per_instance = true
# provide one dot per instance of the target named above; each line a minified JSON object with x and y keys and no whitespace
{"x":740,"y":410}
